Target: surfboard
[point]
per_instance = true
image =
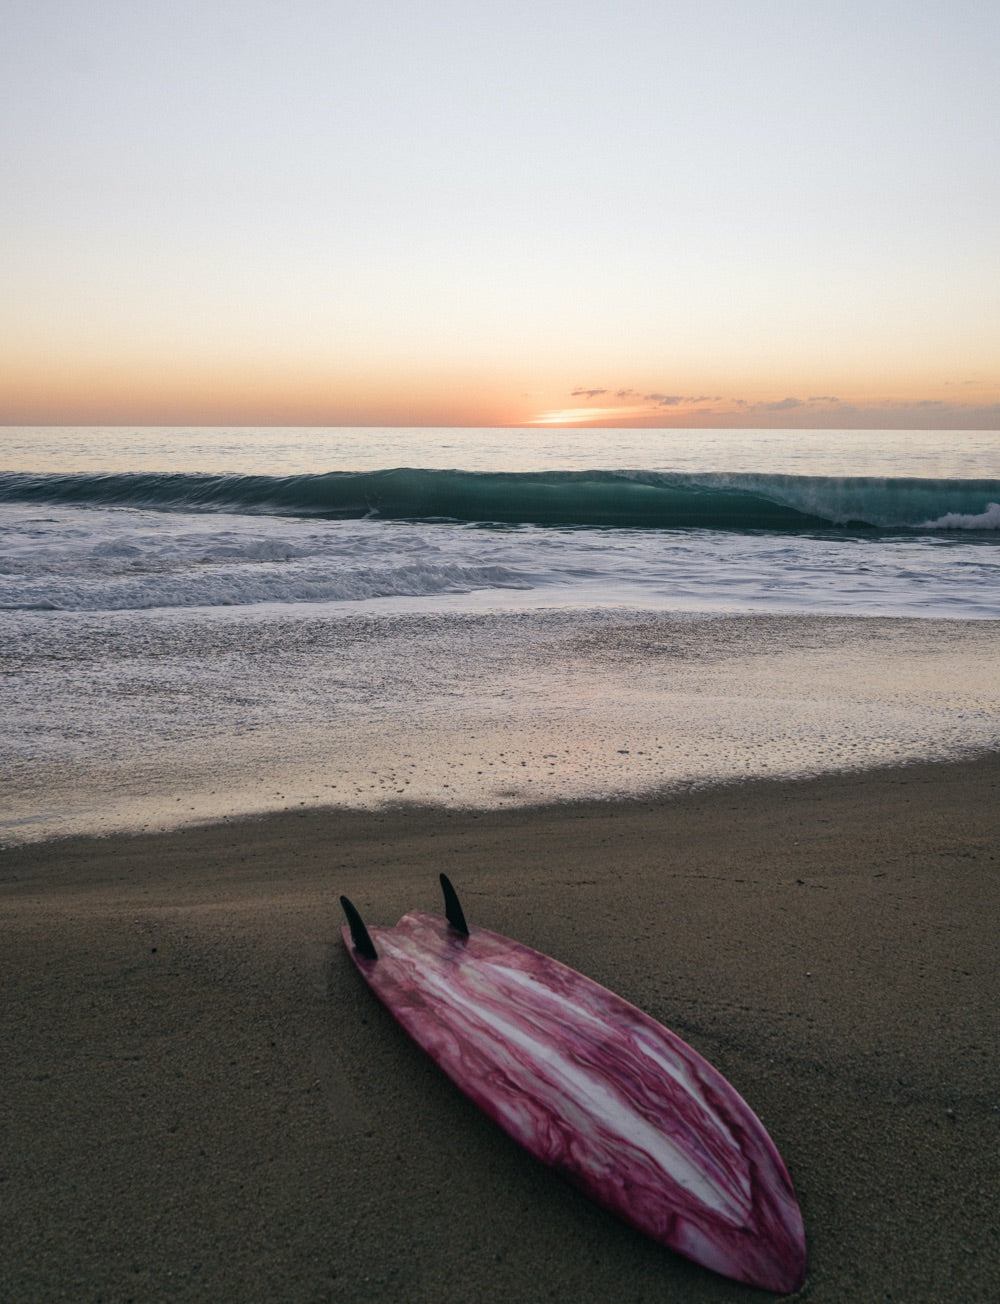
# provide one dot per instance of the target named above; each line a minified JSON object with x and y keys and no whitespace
{"x":593,"y":1087}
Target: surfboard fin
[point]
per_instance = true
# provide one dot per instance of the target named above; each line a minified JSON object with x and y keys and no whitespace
{"x":453,"y":908}
{"x":363,"y":943}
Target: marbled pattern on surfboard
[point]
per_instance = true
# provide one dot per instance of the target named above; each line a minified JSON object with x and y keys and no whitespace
{"x":598,"y":1090}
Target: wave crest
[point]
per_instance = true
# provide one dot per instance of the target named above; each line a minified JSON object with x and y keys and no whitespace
{"x":608,"y":499}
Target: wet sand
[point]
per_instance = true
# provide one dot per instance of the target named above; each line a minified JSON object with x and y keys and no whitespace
{"x":114,"y":725}
{"x":203,"y":1101}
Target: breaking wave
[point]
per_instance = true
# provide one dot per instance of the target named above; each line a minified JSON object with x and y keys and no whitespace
{"x":607,"y":499}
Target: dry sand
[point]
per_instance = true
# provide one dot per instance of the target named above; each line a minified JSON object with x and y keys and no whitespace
{"x":203,"y":1101}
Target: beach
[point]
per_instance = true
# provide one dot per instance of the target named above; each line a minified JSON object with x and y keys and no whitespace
{"x":204,"y":1100}
{"x":739,"y":766}
{"x":562,"y":454}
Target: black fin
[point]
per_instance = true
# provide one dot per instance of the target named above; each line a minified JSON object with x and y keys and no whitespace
{"x":363,"y":944}
{"x":452,"y":907}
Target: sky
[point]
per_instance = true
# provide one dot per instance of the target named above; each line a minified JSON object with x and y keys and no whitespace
{"x":429,"y":212}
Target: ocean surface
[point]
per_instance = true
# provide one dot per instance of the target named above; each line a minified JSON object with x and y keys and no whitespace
{"x":198,"y":623}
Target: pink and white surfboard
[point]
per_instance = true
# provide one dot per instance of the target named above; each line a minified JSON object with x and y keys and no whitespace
{"x":594,"y":1088}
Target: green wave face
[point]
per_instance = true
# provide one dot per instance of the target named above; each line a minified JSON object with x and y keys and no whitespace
{"x":607,"y":499}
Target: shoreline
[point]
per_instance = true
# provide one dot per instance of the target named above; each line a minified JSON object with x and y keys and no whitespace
{"x":470,"y":711}
{"x":206,"y":1102}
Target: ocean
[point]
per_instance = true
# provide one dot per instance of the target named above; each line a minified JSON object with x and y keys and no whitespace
{"x":205,"y":623}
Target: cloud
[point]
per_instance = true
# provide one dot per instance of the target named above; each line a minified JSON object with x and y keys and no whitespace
{"x":780,"y":405}
{"x":630,"y":407}
{"x":660,"y":399}
{"x":675,"y":400}
{"x":787,"y":404}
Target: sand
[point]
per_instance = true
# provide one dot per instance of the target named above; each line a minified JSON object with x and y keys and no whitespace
{"x":203,"y":1101}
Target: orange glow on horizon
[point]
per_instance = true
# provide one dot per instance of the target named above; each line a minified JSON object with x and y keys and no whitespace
{"x":184,"y":393}
{"x":144,"y":389}
{"x":586,"y":416}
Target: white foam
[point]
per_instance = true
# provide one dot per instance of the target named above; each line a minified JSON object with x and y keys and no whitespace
{"x":988,"y":520}
{"x":122,"y":719}
{"x":72,"y":559}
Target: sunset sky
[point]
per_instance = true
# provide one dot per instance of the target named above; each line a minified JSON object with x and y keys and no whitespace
{"x":437,"y":212}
